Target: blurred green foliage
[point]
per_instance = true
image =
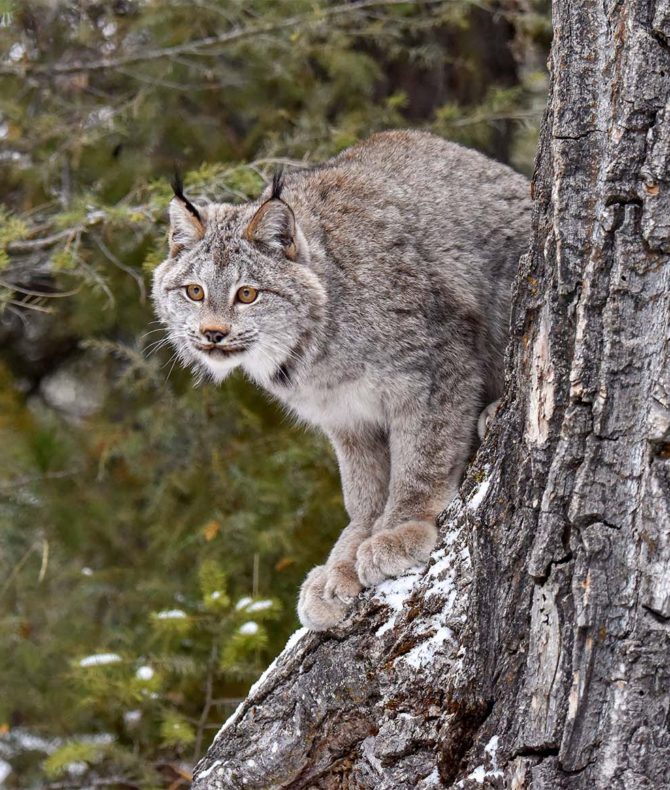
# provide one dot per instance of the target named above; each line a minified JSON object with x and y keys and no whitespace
{"x":153,"y":535}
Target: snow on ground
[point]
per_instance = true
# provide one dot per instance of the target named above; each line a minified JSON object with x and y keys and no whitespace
{"x":249,"y":628}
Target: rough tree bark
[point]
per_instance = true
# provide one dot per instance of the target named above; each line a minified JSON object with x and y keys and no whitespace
{"x":534,"y":651}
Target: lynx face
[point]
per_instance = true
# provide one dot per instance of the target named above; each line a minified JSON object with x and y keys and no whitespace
{"x":237,"y":289}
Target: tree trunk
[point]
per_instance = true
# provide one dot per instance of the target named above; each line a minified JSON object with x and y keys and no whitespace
{"x":534,"y":651}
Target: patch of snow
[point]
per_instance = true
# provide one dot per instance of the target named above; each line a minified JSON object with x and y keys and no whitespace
{"x":209,"y":770}
{"x":76,"y":768}
{"x":101,"y":116}
{"x":132,"y":717}
{"x":170,"y":614}
{"x":480,"y":774}
{"x":491,"y":749}
{"x":293,"y":640}
{"x":249,"y":628}
{"x":19,"y":740}
{"x":109,"y":28}
{"x":144,"y":673}
{"x":16,"y":52}
{"x":100,"y":659}
{"x":422,"y":654}
{"x":445,"y":588}
{"x":243,"y":603}
{"x":479,"y":493}
{"x":5,"y":771}
{"x":259,"y":606}
{"x":431,"y":781}
{"x":442,"y":565}
{"x":394,"y":594}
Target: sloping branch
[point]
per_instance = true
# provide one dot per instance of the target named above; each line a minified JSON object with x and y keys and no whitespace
{"x":368,"y":686}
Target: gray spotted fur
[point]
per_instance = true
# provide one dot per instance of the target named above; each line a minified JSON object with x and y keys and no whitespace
{"x":384,"y":280}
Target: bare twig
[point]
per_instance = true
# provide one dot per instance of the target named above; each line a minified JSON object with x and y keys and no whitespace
{"x":30,"y":245}
{"x":26,"y":305}
{"x":120,"y":265}
{"x":202,"y":721}
{"x":42,"y":294}
{"x":43,"y":243}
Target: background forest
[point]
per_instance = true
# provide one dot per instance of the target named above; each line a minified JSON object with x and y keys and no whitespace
{"x":153,"y":535}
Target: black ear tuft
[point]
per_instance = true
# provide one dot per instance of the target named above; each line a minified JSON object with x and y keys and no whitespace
{"x":277,"y":185}
{"x":177,"y":184}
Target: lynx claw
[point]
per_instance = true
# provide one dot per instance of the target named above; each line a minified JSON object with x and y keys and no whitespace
{"x":486,"y":418}
{"x":342,"y":583}
{"x":317,"y":610}
{"x":391,"y":552}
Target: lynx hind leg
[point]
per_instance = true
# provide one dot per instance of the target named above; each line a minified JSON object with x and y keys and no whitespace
{"x":391,"y":552}
{"x":486,"y":417}
{"x":326,"y":594}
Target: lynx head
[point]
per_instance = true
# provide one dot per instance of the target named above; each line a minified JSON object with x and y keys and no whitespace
{"x":237,"y":288}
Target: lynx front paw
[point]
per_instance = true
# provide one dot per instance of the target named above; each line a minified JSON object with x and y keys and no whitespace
{"x":325,"y":595}
{"x":392,"y":551}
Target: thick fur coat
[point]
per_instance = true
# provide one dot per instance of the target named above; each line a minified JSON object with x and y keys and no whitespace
{"x":371,"y":296}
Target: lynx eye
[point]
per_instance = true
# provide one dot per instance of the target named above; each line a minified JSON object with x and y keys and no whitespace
{"x":195,"y":292}
{"x":247,"y":294}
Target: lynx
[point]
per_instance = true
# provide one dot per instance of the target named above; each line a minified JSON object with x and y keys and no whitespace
{"x":370,"y":295}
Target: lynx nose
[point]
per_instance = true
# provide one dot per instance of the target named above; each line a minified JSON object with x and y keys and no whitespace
{"x":215,"y":334}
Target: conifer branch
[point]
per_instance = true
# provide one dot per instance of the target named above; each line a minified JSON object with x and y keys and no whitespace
{"x":199,"y":46}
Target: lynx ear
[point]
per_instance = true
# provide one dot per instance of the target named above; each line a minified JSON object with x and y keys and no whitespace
{"x":274,"y":223}
{"x":187,"y":225}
